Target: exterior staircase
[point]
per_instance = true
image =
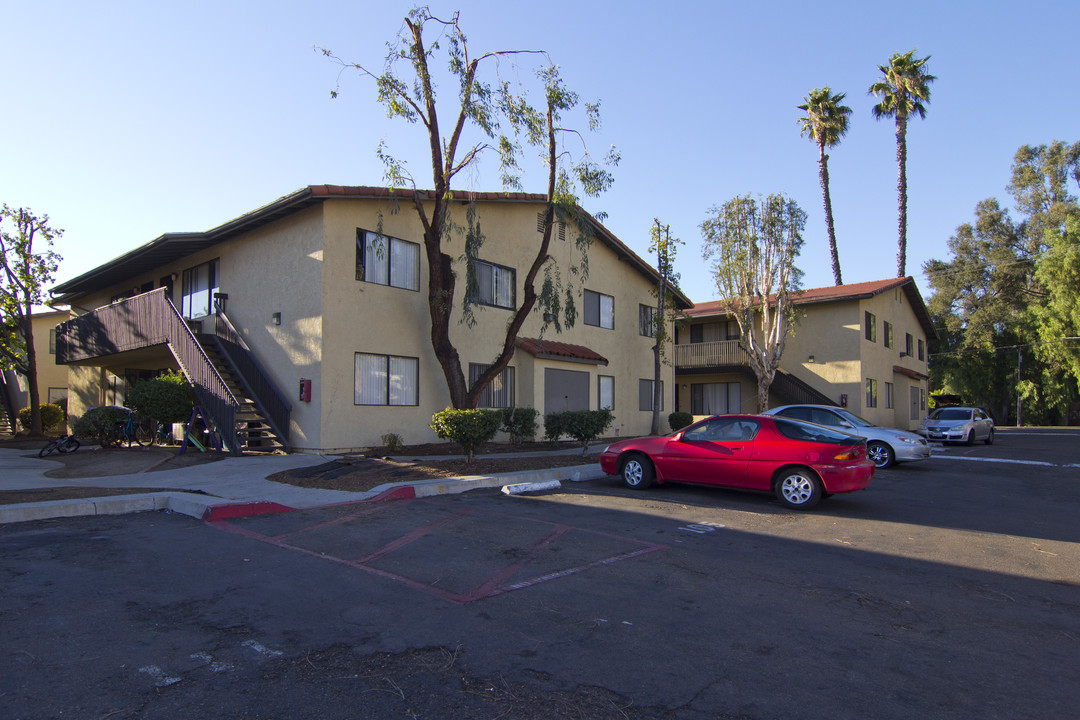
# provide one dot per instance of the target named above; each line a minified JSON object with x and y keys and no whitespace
{"x":235,"y":393}
{"x":254,"y":430}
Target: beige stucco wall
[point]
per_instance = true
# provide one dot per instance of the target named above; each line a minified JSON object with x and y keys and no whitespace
{"x":276,"y":268}
{"x":49,"y":374}
{"x":303,"y":266}
{"x":367,"y":317}
{"x":834,"y":334}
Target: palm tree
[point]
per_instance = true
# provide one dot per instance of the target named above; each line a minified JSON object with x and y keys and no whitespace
{"x":904,"y":90}
{"x":826,"y":121}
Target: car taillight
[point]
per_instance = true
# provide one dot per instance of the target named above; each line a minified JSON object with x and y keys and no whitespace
{"x":851,"y":454}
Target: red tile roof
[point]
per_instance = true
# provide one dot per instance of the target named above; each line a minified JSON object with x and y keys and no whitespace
{"x":549,"y":349}
{"x":839,"y":293}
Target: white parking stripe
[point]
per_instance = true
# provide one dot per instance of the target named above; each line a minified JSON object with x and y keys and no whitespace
{"x":1000,"y":460}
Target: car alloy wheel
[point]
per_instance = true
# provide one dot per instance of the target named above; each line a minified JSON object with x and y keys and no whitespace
{"x":881,"y":454}
{"x":798,"y":489}
{"x":637,"y":472}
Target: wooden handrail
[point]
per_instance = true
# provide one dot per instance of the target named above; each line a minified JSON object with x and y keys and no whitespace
{"x":144,"y":321}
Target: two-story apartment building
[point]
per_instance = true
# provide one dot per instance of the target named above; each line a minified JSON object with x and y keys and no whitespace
{"x":861,"y":346}
{"x":305,"y":323}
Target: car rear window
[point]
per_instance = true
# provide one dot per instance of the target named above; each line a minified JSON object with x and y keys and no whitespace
{"x":815,"y":433}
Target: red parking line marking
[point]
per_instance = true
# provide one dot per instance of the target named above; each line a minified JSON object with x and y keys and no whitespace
{"x":412,"y":537}
{"x":486,"y":588}
{"x":491,"y":587}
{"x":364,"y":512}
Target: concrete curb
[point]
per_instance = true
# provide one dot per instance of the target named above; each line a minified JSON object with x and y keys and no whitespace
{"x":212,"y":508}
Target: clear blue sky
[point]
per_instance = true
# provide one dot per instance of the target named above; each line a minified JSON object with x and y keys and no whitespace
{"x":126,"y":120}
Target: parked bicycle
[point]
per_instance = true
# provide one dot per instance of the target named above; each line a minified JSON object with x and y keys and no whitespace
{"x":134,"y":430}
{"x":63,"y":444}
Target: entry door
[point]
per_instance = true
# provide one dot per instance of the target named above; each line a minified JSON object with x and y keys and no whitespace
{"x":915,"y":414}
{"x":565,"y":390}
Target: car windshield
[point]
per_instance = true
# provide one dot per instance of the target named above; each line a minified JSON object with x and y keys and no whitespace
{"x":856,"y":420}
{"x":952,"y":414}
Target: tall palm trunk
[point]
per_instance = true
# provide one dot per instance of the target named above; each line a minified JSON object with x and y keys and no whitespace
{"x":901,"y":188}
{"x":823,"y":171}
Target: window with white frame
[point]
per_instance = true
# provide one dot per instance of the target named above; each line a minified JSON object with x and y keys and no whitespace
{"x":385,"y":380}
{"x":500,"y":391}
{"x":495,"y":285}
{"x":605,"y":392}
{"x":387,"y":260}
{"x":599,"y":310}
{"x":645,"y":395}
{"x":197,"y":290}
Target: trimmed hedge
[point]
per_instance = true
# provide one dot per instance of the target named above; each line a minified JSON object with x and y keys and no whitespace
{"x":678,"y":420}
{"x":52,"y":417}
{"x":520,"y":423}
{"x":582,"y":425}
{"x":167,"y":398}
{"x":468,"y":429}
{"x":99,"y":424}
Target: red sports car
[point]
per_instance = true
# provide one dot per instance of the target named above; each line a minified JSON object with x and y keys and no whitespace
{"x":798,"y":461}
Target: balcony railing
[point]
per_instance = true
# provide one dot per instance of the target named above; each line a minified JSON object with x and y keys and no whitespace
{"x":144,"y":321}
{"x":714,"y":354}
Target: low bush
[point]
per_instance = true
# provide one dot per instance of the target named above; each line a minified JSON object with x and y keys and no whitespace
{"x":52,"y":417}
{"x":520,"y":423}
{"x":392,"y":442}
{"x":678,"y":420}
{"x":99,"y":424}
{"x":468,"y":429}
{"x":582,"y":425}
{"x":167,"y":398}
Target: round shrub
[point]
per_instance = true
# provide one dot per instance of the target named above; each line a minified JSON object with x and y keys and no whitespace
{"x":469,"y":429}
{"x":678,"y":420}
{"x":167,"y":398}
{"x":52,"y":417}
{"x":99,"y":424}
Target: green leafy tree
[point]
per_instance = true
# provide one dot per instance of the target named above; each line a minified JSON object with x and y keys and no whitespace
{"x":25,"y":272}
{"x":825,"y":122}
{"x":504,"y":119}
{"x":753,"y":246}
{"x":665,"y":246}
{"x":904,"y":89}
{"x":1004,"y":303}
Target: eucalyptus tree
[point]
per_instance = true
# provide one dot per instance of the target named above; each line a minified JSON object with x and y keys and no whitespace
{"x":753,"y":245}
{"x":503,"y":119}
{"x":665,"y":246}
{"x":25,"y":272}
{"x":825,"y":122}
{"x":904,"y":89}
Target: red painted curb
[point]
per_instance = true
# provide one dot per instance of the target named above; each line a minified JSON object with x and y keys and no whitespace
{"x":228,"y":512}
{"x":406,"y":492}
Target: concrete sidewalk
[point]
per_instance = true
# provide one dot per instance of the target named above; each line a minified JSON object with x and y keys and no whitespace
{"x":228,"y":488}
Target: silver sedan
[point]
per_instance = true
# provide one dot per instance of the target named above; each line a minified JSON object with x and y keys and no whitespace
{"x":958,"y":424}
{"x":885,"y":446}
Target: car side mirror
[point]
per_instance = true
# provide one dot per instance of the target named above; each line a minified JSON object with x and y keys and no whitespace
{"x":846,"y":424}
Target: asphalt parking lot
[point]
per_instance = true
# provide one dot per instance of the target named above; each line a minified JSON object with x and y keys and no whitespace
{"x":949,"y":588}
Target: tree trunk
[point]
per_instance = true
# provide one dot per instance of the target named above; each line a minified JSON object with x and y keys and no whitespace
{"x":901,"y":186}
{"x":32,"y":373}
{"x":823,"y":166}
